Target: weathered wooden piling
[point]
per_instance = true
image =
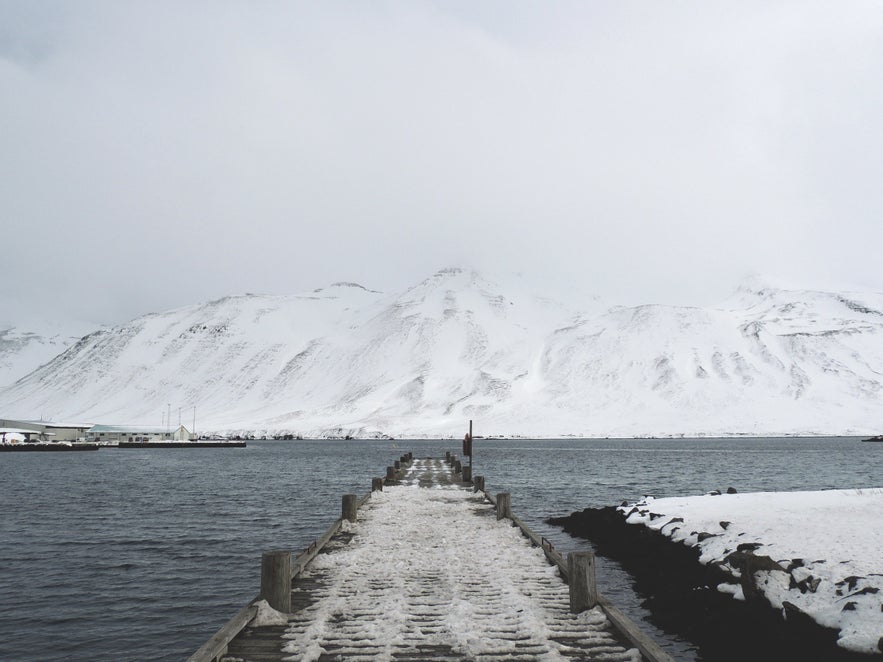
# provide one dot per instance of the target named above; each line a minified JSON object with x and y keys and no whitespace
{"x":279,"y":570}
{"x":377,"y":485}
{"x":397,"y":465}
{"x":276,"y":579}
{"x":349,"y":506}
{"x":457,"y":466}
{"x":467,"y":474}
{"x":581,"y":581}
{"x":504,"y":505}
{"x":448,"y":457}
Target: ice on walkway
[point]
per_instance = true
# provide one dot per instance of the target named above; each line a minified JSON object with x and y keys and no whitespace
{"x":432,"y":570}
{"x":828,"y":543}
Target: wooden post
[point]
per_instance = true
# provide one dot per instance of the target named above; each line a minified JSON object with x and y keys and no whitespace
{"x":397,"y":464}
{"x":457,"y":466}
{"x":448,"y":457}
{"x":390,"y":473}
{"x":276,"y":579}
{"x":504,"y":505}
{"x":581,"y":580}
{"x":377,"y":485}
{"x":349,"y":507}
{"x":472,"y":445}
{"x":478,"y":481}
{"x":467,"y":474}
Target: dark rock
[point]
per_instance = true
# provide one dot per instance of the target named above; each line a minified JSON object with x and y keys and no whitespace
{"x":850,"y":582}
{"x":849,"y":606}
{"x":867,"y":590}
{"x":748,"y":546}
{"x":682,"y":597}
{"x":705,"y":536}
{"x":725,"y":525}
{"x":748,"y":564}
{"x":714,"y":493}
{"x":810,"y":584}
{"x":731,"y":490}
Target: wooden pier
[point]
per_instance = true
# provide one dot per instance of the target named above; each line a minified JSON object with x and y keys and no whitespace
{"x":428,"y":567}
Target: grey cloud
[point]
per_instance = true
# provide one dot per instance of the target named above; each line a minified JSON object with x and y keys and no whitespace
{"x":158,"y":154}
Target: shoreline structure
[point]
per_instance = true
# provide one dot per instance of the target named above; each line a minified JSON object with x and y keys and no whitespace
{"x":780,"y":571}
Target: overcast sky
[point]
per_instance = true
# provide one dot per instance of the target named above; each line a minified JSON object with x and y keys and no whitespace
{"x":158,"y":154}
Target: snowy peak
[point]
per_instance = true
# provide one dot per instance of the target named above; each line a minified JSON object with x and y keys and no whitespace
{"x":23,"y":348}
{"x":459,"y":344}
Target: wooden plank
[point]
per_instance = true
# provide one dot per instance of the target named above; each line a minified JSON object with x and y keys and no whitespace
{"x":217,"y":644}
{"x":649,"y":649}
{"x":298,"y":565}
{"x":622,"y":623}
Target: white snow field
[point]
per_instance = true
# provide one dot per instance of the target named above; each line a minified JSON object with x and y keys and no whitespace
{"x":345,"y":360}
{"x":829,"y":545}
{"x":30,"y":344}
{"x":431,"y":570}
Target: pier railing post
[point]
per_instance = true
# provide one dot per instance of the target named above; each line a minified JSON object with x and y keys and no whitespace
{"x":478,"y":481}
{"x":390,"y":473}
{"x":504,"y":505}
{"x":457,"y":466}
{"x":377,"y":485}
{"x":349,"y":506}
{"x":397,"y":464}
{"x":467,"y":474}
{"x":276,"y":579}
{"x":448,"y":457}
{"x":581,"y":580}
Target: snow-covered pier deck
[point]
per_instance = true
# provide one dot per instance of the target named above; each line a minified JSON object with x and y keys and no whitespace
{"x":427,"y":571}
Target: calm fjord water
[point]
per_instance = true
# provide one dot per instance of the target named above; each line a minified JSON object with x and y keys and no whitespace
{"x":143,"y":554}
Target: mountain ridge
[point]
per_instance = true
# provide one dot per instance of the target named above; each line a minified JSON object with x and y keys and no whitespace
{"x":348,"y":360}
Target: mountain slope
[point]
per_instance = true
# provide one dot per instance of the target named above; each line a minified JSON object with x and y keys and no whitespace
{"x":26,"y":346}
{"x":346,"y":360}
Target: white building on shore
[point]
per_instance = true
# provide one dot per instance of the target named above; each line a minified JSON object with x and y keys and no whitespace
{"x":48,"y":430}
{"x":117,"y":433}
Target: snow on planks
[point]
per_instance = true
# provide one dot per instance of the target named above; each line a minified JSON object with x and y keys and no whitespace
{"x":430,"y":574}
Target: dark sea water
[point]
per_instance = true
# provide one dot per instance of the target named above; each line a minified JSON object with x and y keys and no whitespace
{"x":143,"y":554}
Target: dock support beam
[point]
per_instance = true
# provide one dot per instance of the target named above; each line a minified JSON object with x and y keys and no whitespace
{"x":478,"y":481}
{"x":276,"y":579}
{"x":581,"y":580}
{"x":349,"y":506}
{"x":390,"y":473}
{"x":504,"y":505}
{"x":377,"y":485}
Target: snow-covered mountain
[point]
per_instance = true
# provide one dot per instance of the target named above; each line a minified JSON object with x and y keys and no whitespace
{"x":348,"y":360}
{"x":26,"y":347}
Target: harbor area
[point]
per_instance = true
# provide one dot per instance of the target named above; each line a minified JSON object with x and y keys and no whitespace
{"x":431,"y":568}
